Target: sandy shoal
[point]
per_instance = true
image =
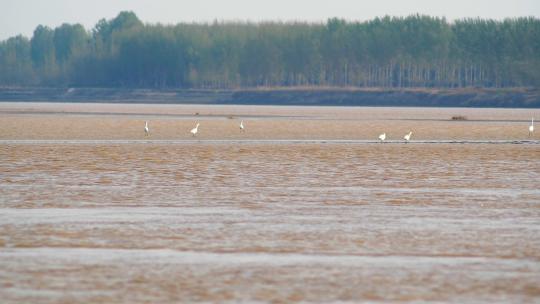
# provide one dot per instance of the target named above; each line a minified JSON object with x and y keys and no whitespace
{"x":124,"y":121}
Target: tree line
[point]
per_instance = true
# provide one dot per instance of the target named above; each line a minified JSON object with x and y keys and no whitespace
{"x":391,"y":52}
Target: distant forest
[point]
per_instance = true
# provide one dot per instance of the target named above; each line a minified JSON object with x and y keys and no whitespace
{"x":389,"y":52}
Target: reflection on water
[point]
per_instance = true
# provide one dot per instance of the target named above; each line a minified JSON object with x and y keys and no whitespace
{"x":269,"y":222}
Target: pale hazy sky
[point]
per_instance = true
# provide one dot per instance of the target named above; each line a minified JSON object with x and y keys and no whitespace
{"x":22,"y":16}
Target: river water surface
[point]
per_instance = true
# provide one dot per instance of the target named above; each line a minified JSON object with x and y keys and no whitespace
{"x":269,"y":222}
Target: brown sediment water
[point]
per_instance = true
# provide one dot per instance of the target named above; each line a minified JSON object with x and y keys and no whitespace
{"x":267,"y":221}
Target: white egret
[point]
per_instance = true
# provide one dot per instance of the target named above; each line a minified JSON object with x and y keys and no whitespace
{"x":195,"y":130}
{"x":242,"y":125}
{"x":382,"y":137}
{"x":531,"y":127}
{"x":146,"y":130}
{"x":407,"y":137}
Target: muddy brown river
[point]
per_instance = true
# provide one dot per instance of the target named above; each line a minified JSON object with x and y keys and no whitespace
{"x":272,"y":217}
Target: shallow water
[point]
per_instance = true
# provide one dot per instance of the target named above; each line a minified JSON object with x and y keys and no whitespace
{"x":268,"y":221}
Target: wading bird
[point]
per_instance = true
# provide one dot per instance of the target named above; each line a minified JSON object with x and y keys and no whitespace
{"x":242,"y":126}
{"x":382,"y":137}
{"x":146,"y":130}
{"x":195,"y":130}
{"x":531,"y":127}
{"x":407,"y":137}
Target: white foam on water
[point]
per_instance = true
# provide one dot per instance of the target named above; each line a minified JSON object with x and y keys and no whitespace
{"x":112,"y":214}
{"x":167,"y":256}
{"x":247,"y":141}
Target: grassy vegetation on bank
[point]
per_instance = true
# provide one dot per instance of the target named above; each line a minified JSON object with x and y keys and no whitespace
{"x":348,"y":96}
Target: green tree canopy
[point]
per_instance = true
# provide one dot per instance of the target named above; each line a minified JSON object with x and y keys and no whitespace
{"x":413,"y":51}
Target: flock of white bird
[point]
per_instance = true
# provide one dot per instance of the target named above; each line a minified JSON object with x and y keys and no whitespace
{"x":382,"y":137}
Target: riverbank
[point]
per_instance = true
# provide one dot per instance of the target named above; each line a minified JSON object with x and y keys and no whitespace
{"x":467,"y":97}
